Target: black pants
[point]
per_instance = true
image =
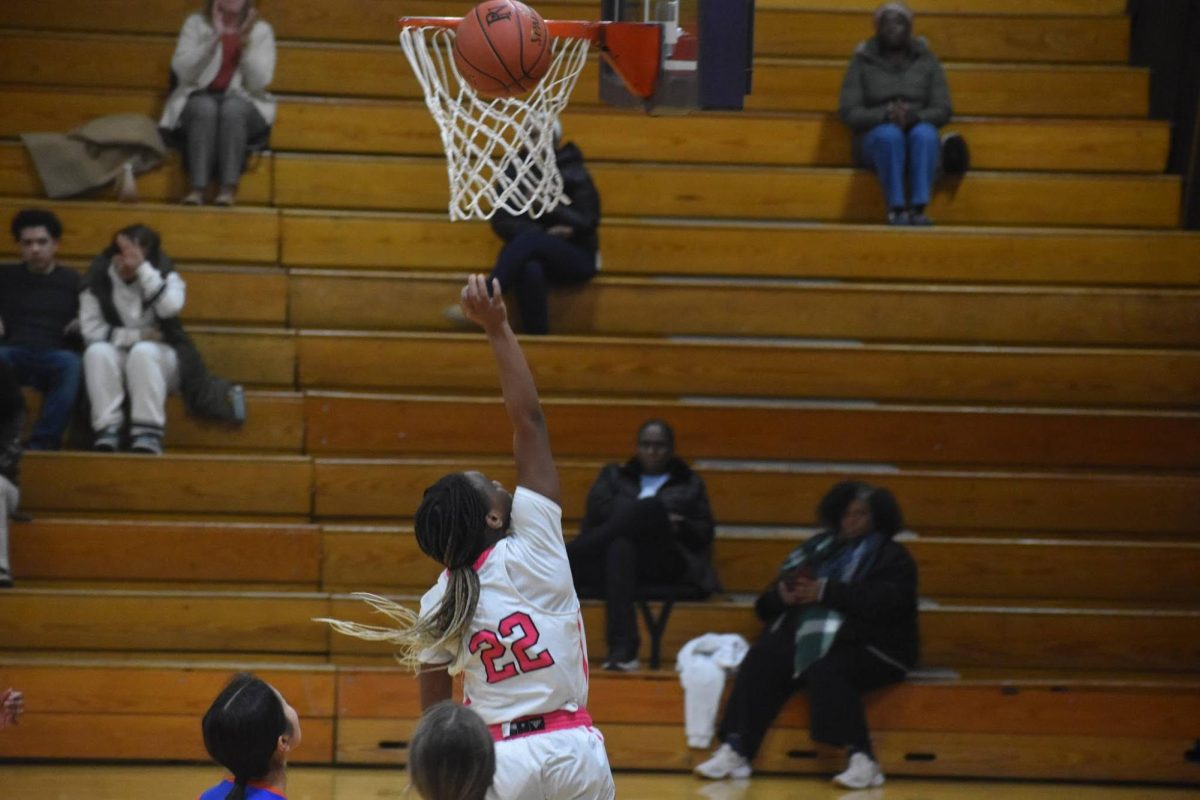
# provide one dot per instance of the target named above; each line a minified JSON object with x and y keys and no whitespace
{"x":835,"y":686}
{"x":531,"y":262}
{"x":636,"y":544}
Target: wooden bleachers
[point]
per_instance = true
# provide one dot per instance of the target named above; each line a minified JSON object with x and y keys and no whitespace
{"x":996,"y":375}
{"x":361,"y":126}
{"x":336,"y":299}
{"x":1021,"y":375}
{"x":138,"y":62}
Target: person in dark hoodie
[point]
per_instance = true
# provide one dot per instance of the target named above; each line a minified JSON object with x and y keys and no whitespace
{"x":841,"y":620}
{"x":559,"y":248}
{"x":647,"y":521}
{"x":894,"y":99}
{"x":12,"y":418}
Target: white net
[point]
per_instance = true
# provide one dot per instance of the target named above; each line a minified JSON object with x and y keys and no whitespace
{"x":499,"y":152}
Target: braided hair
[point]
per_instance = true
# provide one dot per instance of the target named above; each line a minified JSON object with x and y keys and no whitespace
{"x":242,"y":730}
{"x":451,"y":528}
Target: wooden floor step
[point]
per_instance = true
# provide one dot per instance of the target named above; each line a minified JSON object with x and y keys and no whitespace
{"x":151,"y":712}
{"x":19,"y":178}
{"x":188,"y":555}
{"x":139,"y":62}
{"x":386,"y":560}
{"x":263,"y":357}
{"x":245,"y":623}
{"x":246,"y":235}
{"x":338,"y":423}
{"x":994,"y":635}
{"x":747,"y":368}
{"x":205,"y":484}
{"x":344,"y":240}
{"x":346,"y":125}
{"x":377,"y":126}
{"x":274,"y":424}
{"x":1026,"y":33}
{"x":774,"y":193}
{"x":337,"y":299}
{"x":766,"y":494}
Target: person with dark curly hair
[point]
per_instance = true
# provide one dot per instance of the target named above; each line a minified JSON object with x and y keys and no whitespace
{"x":841,"y":620}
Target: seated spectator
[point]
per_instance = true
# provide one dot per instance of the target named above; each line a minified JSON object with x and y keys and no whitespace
{"x":125,"y":300}
{"x":560,"y":248}
{"x":39,"y":307}
{"x":224,"y":60}
{"x":451,"y":755}
{"x":851,"y":579}
{"x":12,"y":418}
{"x":647,"y":521}
{"x":137,"y":349}
{"x":12,"y":705}
{"x":250,"y":730}
{"x":894,"y":98}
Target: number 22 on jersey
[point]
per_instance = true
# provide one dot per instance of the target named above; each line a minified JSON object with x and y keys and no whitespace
{"x":492,"y":650}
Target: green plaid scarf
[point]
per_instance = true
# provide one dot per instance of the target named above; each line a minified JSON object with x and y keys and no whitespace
{"x":824,"y":555}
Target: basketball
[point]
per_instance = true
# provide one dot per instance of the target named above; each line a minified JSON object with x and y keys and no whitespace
{"x":502,"y":48}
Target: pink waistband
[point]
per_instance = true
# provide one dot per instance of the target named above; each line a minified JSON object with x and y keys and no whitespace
{"x":541,"y":723}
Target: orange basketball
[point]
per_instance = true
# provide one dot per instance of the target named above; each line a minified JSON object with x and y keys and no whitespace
{"x":502,"y":48}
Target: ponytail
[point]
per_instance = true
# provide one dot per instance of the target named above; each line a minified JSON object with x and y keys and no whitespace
{"x":451,"y":528}
{"x":238,"y":792}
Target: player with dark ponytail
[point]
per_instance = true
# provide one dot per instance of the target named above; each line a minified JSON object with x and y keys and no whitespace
{"x":504,"y":613}
{"x":250,"y":730}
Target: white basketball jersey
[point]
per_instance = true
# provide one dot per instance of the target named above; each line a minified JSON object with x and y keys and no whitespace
{"x":525,"y":652}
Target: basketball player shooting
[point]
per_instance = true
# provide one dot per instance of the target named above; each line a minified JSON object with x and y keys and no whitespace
{"x":504,"y":613}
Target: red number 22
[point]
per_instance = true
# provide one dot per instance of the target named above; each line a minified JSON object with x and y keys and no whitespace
{"x":493,"y":649}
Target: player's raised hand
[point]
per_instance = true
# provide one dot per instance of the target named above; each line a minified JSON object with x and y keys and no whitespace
{"x":483,"y":307}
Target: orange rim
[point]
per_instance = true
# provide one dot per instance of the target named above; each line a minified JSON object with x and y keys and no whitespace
{"x":559,"y":28}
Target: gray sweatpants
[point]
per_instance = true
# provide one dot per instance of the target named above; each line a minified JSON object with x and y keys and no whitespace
{"x":217,"y":127}
{"x":10,"y":495}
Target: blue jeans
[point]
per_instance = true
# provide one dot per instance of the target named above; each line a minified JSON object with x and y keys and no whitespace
{"x":532,"y":260}
{"x":54,"y":373}
{"x":886,"y":149}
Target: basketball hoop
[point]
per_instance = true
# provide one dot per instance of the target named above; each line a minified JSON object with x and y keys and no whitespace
{"x":500,"y":151}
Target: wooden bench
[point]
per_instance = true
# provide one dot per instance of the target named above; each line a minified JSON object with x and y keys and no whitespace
{"x":263,"y":357}
{"x":1076,"y":37}
{"x":387,"y":560}
{"x":331,"y":69}
{"x":1010,"y":636}
{"x":351,"y":424}
{"x":199,"y":554}
{"x":783,"y":494}
{"x":998,"y":727}
{"x":227,"y":235}
{"x":775,"y":193}
{"x":347,"y":125}
{"x":345,"y":240}
{"x":150,"y":712}
{"x":274,"y":423}
{"x":19,"y":178}
{"x":204,"y":484}
{"x":337,"y":299}
{"x":745,"y":368}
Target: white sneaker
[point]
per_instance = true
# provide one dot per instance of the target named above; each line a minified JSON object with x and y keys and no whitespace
{"x":725,"y":763}
{"x":862,"y":773}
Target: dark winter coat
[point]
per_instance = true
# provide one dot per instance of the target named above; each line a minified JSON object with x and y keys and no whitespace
{"x":872,"y":81}
{"x":880,"y":606}
{"x":582,"y":214}
{"x":684,"y":493}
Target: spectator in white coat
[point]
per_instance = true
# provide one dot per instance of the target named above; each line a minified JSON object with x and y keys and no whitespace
{"x":224,"y":60}
{"x":120,"y":311}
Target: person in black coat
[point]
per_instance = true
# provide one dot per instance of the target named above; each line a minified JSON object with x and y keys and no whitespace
{"x":558,"y":248}
{"x":841,"y":620}
{"x":647,"y":521}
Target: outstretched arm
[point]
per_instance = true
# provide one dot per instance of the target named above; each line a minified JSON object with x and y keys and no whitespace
{"x":531,"y":440}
